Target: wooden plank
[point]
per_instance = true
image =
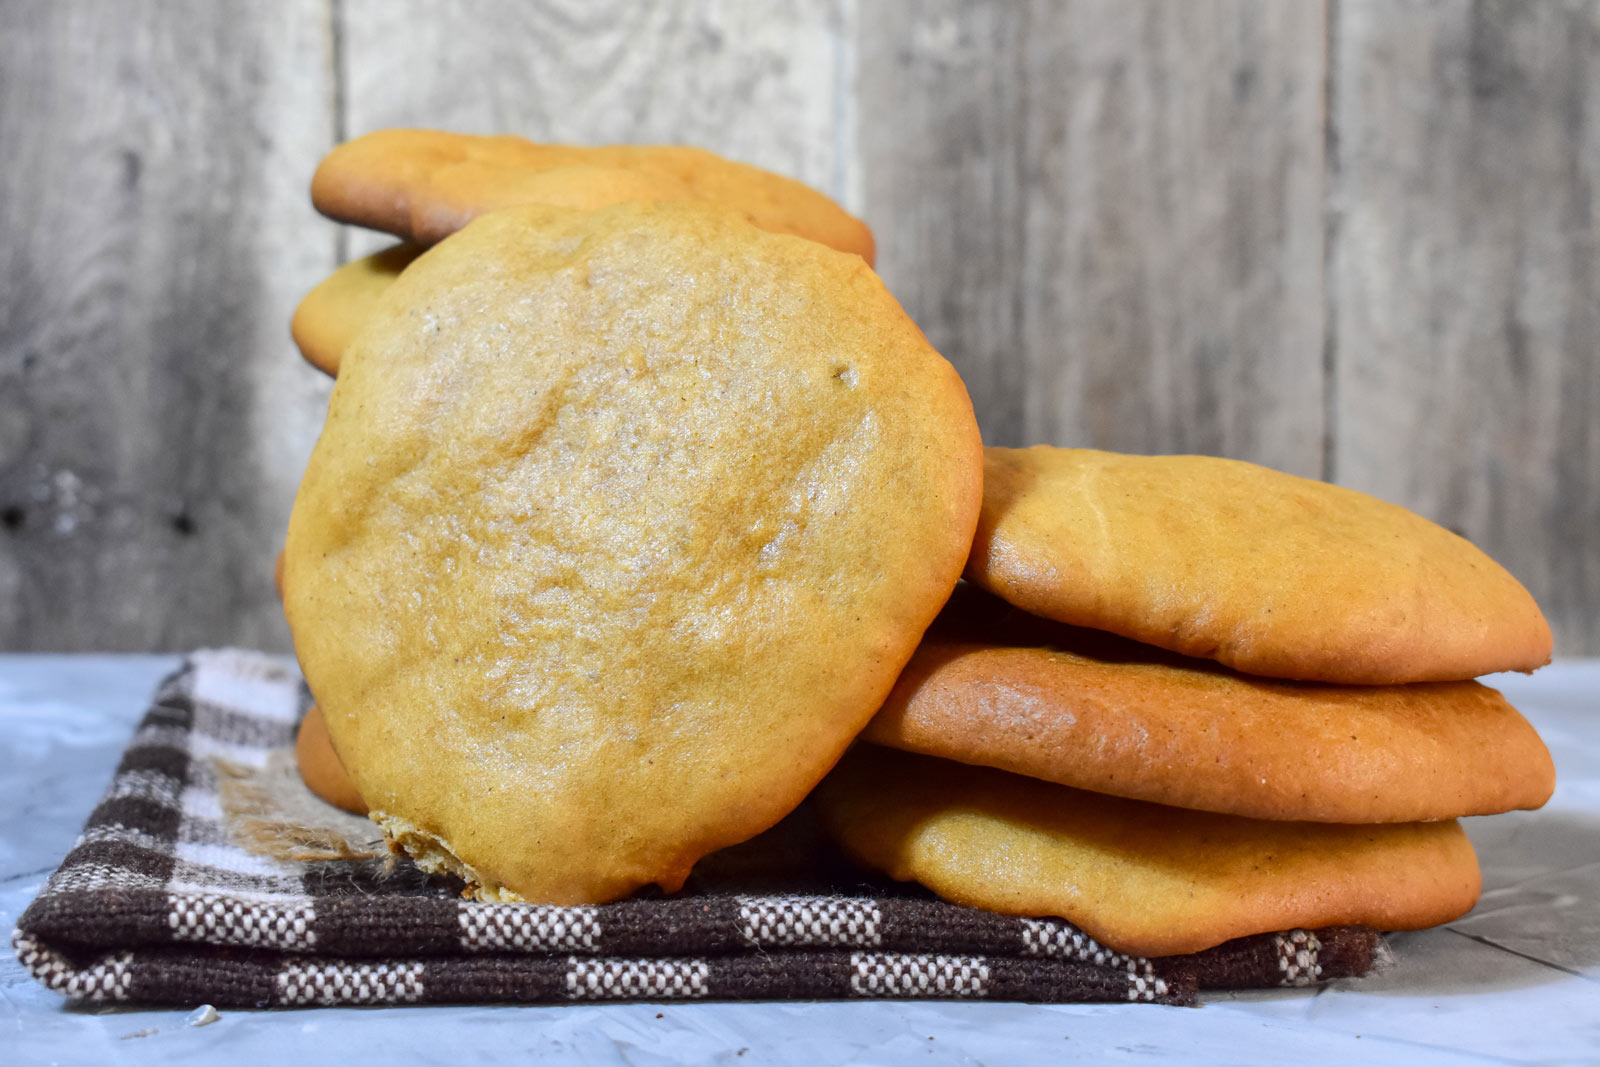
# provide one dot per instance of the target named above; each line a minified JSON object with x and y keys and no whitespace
{"x":762,"y":83}
{"x":1466,"y":297}
{"x":154,"y":236}
{"x":1108,"y":214}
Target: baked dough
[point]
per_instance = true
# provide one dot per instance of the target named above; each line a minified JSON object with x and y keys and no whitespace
{"x":1265,"y":572}
{"x":994,"y":686}
{"x":1141,"y":878}
{"x":332,"y":313}
{"x":423,"y":185}
{"x":320,"y":767}
{"x":621,"y":526}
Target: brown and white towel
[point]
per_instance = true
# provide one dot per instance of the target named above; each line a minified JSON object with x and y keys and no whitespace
{"x":201,"y":877}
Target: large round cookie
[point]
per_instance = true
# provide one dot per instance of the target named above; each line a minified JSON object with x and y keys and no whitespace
{"x":994,"y":686}
{"x":1141,"y":878}
{"x":621,"y":526}
{"x":1265,"y":572}
{"x":425,"y":184}
{"x":332,"y":313}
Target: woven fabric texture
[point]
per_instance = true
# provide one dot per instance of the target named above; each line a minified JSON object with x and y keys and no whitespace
{"x":168,"y":897}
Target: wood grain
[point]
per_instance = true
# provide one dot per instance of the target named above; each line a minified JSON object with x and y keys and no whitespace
{"x":154,"y":235}
{"x":1467,"y":281}
{"x":1109,"y":215}
{"x":1355,"y":239}
{"x":764,"y":83}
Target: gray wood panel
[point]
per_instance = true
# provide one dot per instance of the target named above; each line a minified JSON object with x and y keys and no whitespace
{"x":764,"y":83}
{"x":1353,"y":239}
{"x":154,"y":236}
{"x":1108,"y":215}
{"x":1466,"y":297}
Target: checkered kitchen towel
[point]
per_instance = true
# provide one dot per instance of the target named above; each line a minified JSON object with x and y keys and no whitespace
{"x":168,"y":898}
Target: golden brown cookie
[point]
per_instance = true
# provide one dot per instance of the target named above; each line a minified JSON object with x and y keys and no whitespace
{"x":340,"y":305}
{"x":792,"y":855}
{"x":1140,"y":878}
{"x":320,"y":766}
{"x":994,"y":686}
{"x":1268,"y":573}
{"x":588,"y":569}
{"x":425,"y":184}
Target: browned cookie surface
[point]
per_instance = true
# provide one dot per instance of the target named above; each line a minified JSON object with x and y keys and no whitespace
{"x":994,"y":686}
{"x":1268,"y":573}
{"x":1141,"y":878}
{"x":425,"y":184}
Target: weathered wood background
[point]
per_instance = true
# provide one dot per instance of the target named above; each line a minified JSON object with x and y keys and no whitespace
{"x":1355,"y":240}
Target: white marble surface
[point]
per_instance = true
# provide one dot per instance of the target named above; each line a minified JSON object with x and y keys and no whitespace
{"x":1517,"y":980}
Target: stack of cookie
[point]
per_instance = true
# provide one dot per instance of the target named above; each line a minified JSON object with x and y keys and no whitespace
{"x":638,"y":492}
{"x":1184,"y":699}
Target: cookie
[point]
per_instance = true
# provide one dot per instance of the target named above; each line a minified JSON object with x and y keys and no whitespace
{"x":1268,"y":573}
{"x":1141,"y":878}
{"x":994,"y":686}
{"x":796,"y":854}
{"x":588,"y":567}
{"x":320,"y":766}
{"x":425,"y":184}
{"x":330,"y":314}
